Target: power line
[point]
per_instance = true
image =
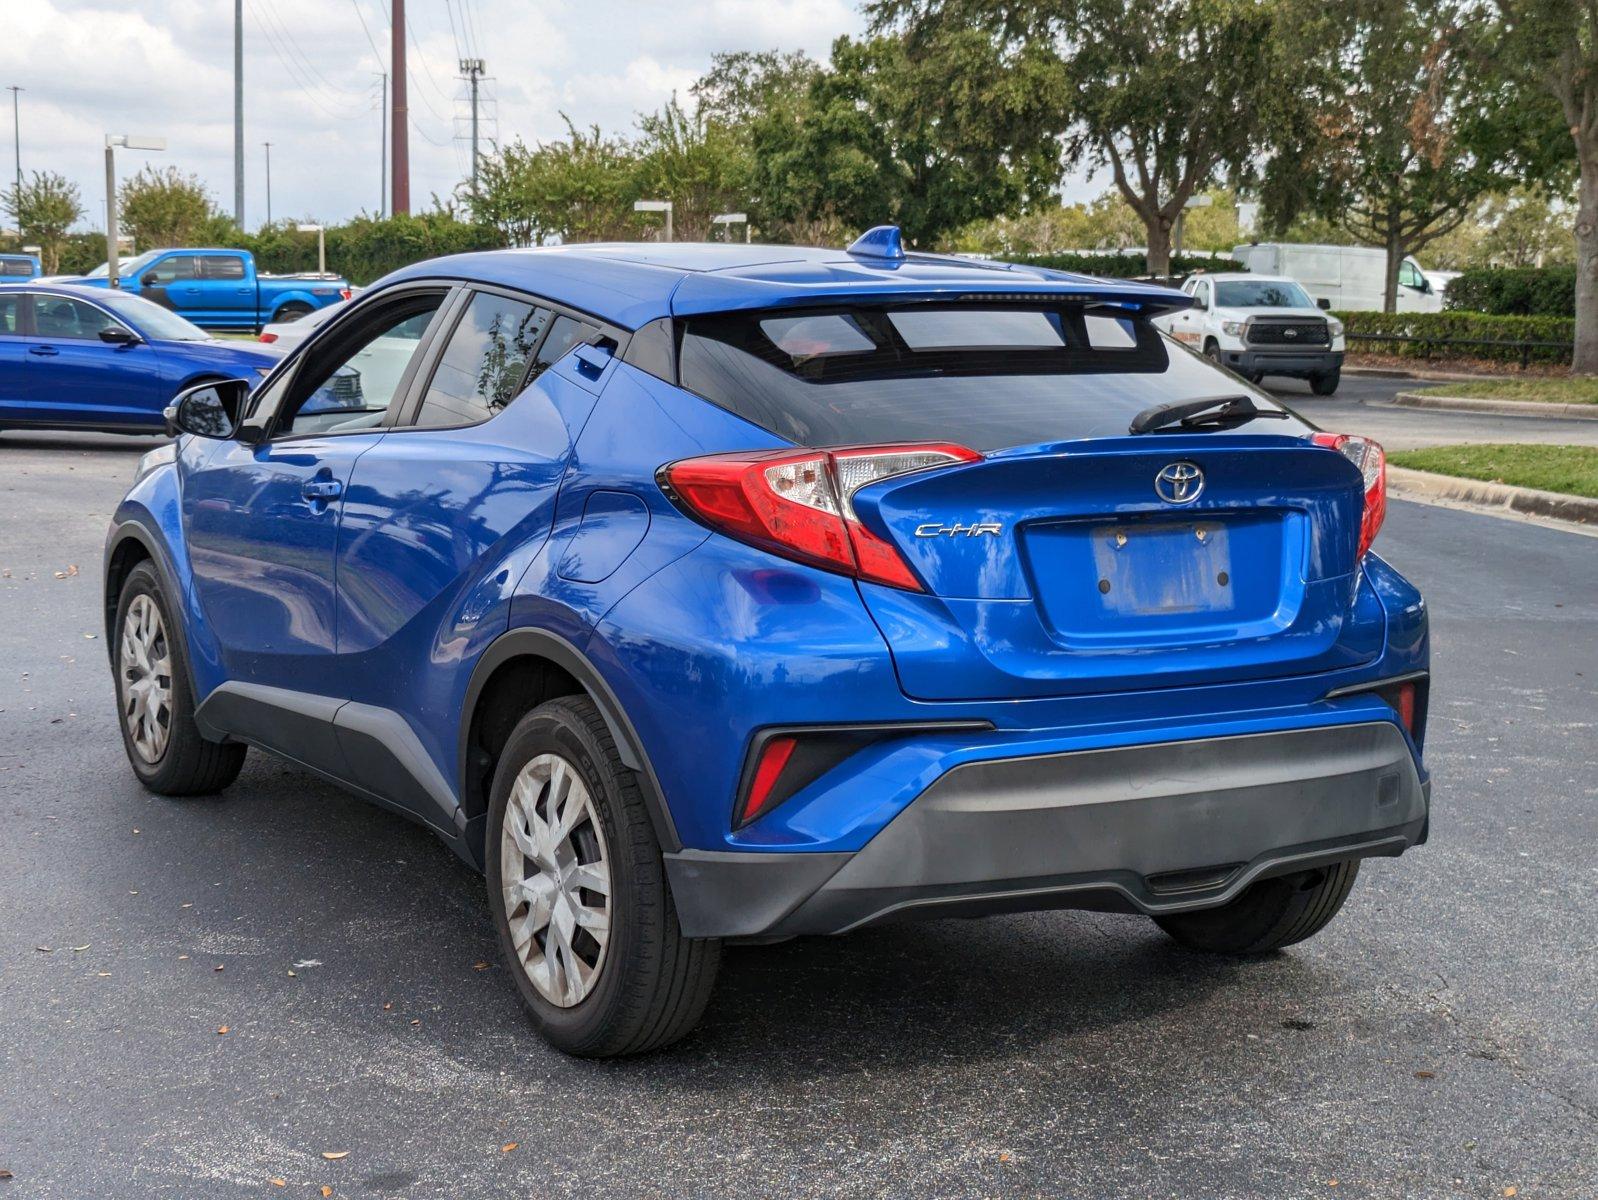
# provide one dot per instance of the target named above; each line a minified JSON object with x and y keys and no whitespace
{"x":355,"y":4}
{"x":298,"y":74}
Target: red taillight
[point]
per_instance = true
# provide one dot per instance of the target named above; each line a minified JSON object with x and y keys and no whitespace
{"x":774,"y":756}
{"x":344,"y":293}
{"x":800,"y":503}
{"x":269,"y":337}
{"x":1372,"y":463}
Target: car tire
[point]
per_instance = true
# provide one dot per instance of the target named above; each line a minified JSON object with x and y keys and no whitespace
{"x":644,"y":986}
{"x":155,"y":701}
{"x":1212,"y":351}
{"x":1325,"y":384}
{"x":290,"y":312}
{"x":1268,"y":915}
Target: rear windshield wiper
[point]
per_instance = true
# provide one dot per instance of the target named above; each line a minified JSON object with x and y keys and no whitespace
{"x":1201,"y":414}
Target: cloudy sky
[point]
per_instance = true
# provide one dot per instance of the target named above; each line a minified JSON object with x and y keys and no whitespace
{"x":164,"y":67}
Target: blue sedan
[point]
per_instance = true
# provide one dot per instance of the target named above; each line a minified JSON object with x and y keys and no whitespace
{"x":73,"y":357}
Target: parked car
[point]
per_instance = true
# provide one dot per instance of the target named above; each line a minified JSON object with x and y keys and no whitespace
{"x":1260,"y":325}
{"x":221,"y":289}
{"x":1351,"y":278}
{"x":708,"y":593}
{"x":80,"y":358}
{"x":19,"y":266}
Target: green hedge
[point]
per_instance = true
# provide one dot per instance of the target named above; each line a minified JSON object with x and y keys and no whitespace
{"x":365,"y":248}
{"x":1438,"y":333}
{"x":1123,"y":266}
{"x":1515,"y":291}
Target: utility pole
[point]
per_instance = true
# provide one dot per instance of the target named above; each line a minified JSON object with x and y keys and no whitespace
{"x":238,"y":113}
{"x":472,"y":68}
{"x":399,"y":115}
{"x":16,"y":133}
{"x":382,"y":149}
{"x":268,"y":146}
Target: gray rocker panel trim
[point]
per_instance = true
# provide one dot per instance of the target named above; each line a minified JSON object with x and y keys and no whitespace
{"x":1149,"y":828}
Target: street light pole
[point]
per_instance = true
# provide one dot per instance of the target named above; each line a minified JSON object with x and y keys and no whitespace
{"x":268,"y":146}
{"x":113,"y":255}
{"x":238,"y":113}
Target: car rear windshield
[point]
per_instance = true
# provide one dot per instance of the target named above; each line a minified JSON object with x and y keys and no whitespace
{"x":987,"y":376}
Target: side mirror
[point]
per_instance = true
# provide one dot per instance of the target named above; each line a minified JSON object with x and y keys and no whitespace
{"x":116,"y":335}
{"x":209,"y":410}
{"x":1324,"y":304}
{"x":149,"y":280}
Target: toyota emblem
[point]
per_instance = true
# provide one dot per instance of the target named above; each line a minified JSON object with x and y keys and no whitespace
{"x":1179,"y":483}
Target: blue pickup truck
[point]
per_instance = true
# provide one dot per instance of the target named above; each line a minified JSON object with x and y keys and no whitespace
{"x":221,"y":289}
{"x":18,"y":266}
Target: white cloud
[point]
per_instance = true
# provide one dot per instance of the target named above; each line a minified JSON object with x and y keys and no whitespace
{"x":164,"y":67}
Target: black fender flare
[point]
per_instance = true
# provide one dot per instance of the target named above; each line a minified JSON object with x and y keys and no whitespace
{"x":541,"y":643}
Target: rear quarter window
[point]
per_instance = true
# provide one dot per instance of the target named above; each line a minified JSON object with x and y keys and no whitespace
{"x":988,"y":377}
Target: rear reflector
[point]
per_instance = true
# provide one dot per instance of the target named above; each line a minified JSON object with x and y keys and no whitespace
{"x":800,"y":503}
{"x":1402,"y":699}
{"x":774,"y":756}
{"x":1372,"y":463}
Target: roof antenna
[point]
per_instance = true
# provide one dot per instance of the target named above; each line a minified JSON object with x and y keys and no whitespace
{"x":880,"y":241}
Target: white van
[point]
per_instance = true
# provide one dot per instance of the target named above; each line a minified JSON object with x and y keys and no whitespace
{"x":1349,"y":277}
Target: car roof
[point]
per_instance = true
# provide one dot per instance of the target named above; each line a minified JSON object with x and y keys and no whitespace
{"x":631,"y":284}
{"x":1231,"y":276}
{"x":81,"y":291}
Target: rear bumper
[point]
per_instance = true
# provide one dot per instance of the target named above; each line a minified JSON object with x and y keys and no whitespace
{"x":1148,"y":828}
{"x":1283,"y":362}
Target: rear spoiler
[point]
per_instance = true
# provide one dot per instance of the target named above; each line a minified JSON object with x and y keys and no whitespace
{"x":916,"y":279}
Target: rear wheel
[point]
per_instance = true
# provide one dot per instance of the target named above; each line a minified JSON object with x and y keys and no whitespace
{"x":579,"y":894}
{"x":1269,"y":914}
{"x":1325,"y":383}
{"x":290,"y":312}
{"x":154,"y":703}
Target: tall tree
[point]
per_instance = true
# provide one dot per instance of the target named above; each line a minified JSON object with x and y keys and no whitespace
{"x":165,"y":208}
{"x":1166,"y":94}
{"x":883,"y":135}
{"x":699,"y":163}
{"x":576,"y":189}
{"x":44,"y":208}
{"x":1555,"y":44}
{"x":1415,"y":122}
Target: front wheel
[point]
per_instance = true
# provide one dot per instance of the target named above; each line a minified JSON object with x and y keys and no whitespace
{"x":1269,"y":914}
{"x":1325,"y":383}
{"x":579,"y":894}
{"x":154,"y":701}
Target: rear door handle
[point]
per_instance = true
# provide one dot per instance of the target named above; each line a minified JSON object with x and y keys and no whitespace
{"x":44,"y":351}
{"x":319,"y":491}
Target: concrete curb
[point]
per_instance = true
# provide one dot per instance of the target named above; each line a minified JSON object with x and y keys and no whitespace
{"x":1417,"y":376}
{"x":1502,"y":408}
{"x":1426,"y":486}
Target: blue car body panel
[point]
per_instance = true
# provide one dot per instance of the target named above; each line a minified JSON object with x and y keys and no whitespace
{"x":384,"y":613}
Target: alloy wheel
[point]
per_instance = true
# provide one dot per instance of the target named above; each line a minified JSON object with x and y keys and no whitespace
{"x":556,"y":877}
{"x":146,"y":662}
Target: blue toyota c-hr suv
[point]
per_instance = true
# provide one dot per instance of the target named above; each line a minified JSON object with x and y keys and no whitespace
{"x":702,"y":593}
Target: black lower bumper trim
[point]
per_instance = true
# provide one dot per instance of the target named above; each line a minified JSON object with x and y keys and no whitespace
{"x":1153,"y":829}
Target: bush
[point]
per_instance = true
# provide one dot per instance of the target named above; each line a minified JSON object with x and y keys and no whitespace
{"x":1515,"y":291}
{"x":1439,"y":333}
{"x":1123,"y":266}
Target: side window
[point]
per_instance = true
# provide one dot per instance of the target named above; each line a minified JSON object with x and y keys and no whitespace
{"x":563,"y":335}
{"x":1202,"y":291}
{"x":1408,"y":275}
{"x":17,"y":268}
{"x":169,"y":270}
{"x":485,"y":364}
{"x":59,"y":317}
{"x":352,"y":379}
{"x":11,"y":313}
{"x":222,"y":266}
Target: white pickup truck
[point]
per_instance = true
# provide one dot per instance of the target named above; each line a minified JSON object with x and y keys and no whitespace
{"x":1260,"y":325}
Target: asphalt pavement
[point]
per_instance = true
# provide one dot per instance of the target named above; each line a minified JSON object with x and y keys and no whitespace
{"x":1438,"y":1039}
